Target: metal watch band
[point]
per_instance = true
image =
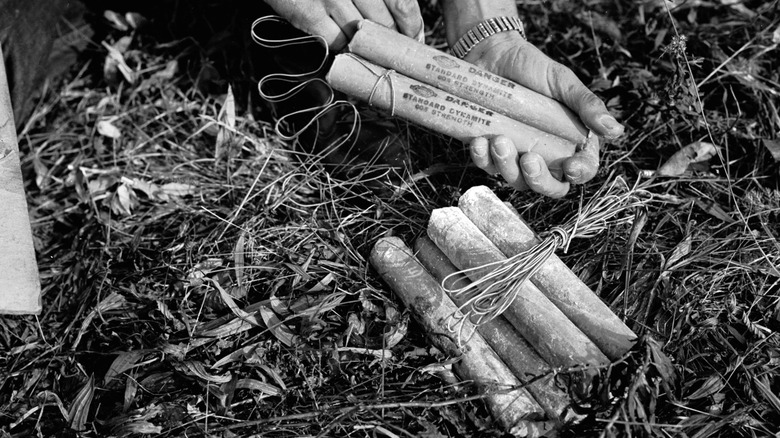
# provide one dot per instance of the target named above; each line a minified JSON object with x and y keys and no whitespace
{"x":489,"y":27}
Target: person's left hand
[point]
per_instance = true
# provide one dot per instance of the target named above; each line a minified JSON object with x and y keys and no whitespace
{"x":509,"y":55}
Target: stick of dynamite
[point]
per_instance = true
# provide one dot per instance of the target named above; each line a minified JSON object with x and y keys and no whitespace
{"x":20,"y":288}
{"x":557,"y":340}
{"x":438,"y":110}
{"x":388,"y":48}
{"x":509,"y":403}
{"x":510,"y":346}
{"x":582,"y":306}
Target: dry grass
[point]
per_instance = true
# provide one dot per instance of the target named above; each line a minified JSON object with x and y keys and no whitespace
{"x":204,"y":278}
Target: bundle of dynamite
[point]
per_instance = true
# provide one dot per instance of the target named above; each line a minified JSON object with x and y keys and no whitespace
{"x":553,"y":321}
{"x":445,"y":94}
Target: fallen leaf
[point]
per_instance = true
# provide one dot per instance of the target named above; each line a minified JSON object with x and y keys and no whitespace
{"x":709,"y":387}
{"x":123,"y":362}
{"x":247,"y":354}
{"x":257,"y":385}
{"x":123,"y":201}
{"x":197,"y":369}
{"x":116,"y":20}
{"x":108,"y":129}
{"x":773,"y":146}
{"x":178,"y":189}
{"x":227,"y":125}
{"x":280,"y":330}
{"x":112,"y":302}
{"x":79,"y":410}
{"x":678,"y":254}
{"x":240,"y":313}
{"x":135,"y":20}
{"x":696,"y":152}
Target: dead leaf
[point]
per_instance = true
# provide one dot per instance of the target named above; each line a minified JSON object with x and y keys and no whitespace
{"x":773,"y":146}
{"x":244,"y":316}
{"x":709,"y":387}
{"x":239,"y":264}
{"x":135,"y":20}
{"x":281,"y":331}
{"x":123,"y":201}
{"x":116,"y":20}
{"x":108,"y":129}
{"x":247,"y":354}
{"x":680,"y":251}
{"x":131,"y":389}
{"x":227,"y":125}
{"x":169,"y":72}
{"x":79,"y":410}
{"x":257,"y":385}
{"x":695,"y":152}
{"x":396,"y":332}
{"x":123,"y":362}
{"x":111,"y":302}
{"x":197,"y":369}
{"x":178,"y":189}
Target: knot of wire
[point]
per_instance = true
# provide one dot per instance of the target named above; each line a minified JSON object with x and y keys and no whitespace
{"x":496,"y":285}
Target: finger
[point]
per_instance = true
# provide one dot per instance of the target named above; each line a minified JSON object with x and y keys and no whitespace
{"x":313,"y":20}
{"x":407,"y":15}
{"x":376,"y":11}
{"x":345,"y":14}
{"x":583,"y":165}
{"x":537,"y":71}
{"x":504,"y":154}
{"x":538,"y":177}
{"x":479,"y":148}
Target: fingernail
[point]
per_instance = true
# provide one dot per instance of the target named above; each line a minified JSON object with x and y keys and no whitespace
{"x":610,"y":124}
{"x":574,"y":174}
{"x":532,"y":168}
{"x":501,"y":148}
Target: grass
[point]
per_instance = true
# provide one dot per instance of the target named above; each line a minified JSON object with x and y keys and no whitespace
{"x":203,"y":287}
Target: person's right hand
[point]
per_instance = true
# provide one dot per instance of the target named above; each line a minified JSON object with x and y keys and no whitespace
{"x":335,"y":20}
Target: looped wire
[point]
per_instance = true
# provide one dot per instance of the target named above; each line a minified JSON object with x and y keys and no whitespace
{"x":291,"y":84}
{"x":497,"y":284}
{"x":386,"y":76}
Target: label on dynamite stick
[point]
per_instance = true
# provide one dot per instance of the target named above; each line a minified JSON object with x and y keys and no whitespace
{"x":477,"y":82}
{"x":454,"y":109}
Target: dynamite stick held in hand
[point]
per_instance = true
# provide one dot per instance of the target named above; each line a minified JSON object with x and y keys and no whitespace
{"x":390,"y":49}
{"x":431,"y":307}
{"x":551,"y":333}
{"x":510,"y":346}
{"x":575,"y":299}
{"x":438,"y":110}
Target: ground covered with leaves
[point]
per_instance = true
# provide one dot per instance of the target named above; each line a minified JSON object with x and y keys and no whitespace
{"x":203,"y":277}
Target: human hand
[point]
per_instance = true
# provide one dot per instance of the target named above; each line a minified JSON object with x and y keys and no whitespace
{"x":509,"y":55}
{"x":335,"y":20}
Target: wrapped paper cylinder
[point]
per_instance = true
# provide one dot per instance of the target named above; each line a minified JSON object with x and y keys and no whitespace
{"x":393,"y":50}
{"x":511,"y":405}
{"x":440,"y":111}
{"x":557,"y":340}
{"x":511,"y":347}
{"x":556,"y":281}
{"x":20,"y":288}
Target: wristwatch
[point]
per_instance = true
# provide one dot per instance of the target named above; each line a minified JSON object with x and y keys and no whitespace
{"x":489,"y":27}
